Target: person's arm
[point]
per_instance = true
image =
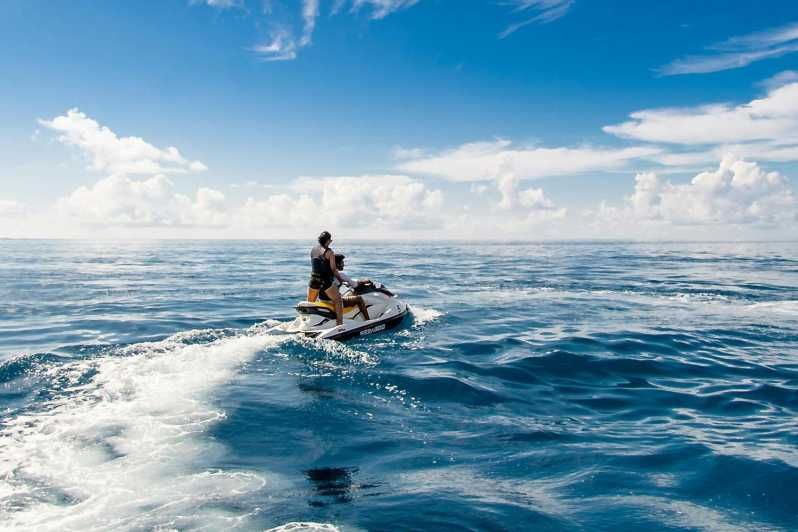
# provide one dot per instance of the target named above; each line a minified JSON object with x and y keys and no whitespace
{"x":333,"y":267}
{"x":346,"y":279}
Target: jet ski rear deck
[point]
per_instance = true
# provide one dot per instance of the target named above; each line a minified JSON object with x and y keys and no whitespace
{"x":317,"y":319}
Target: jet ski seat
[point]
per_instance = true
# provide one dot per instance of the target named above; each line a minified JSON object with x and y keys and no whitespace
{"x":322,"y":308}
{"x":329,"y":305}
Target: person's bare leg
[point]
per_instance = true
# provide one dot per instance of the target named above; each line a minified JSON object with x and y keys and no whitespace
{"x":339,"y":310}
{"x":313,"y":294}
{"x":363,"y":308}
{"x":333,"y":294}
{"x":357,"y":300}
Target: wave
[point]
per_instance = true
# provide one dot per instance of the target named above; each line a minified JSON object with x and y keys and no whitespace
{"x":118,"y":446}
{"x":304,"y":527}
{"x":714,"y":302}
{"x":424,"y":315}
{"x":786,"y":307}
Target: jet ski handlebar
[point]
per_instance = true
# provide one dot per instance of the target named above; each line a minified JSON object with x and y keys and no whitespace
{"x":366,"y":287}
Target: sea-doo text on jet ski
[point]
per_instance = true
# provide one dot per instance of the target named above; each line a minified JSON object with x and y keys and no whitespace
{"x":317,"y":319}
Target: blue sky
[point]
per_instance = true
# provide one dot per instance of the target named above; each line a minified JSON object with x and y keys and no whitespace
{"x":427,"y":118}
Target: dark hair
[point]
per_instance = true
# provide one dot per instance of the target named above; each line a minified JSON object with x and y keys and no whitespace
{"x":324,"y":238}
{"x":339,"y":258}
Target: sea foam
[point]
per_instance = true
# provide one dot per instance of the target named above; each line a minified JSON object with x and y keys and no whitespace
{"x":122,"y":446}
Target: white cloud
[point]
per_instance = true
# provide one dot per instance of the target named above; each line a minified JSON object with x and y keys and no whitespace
{"x":279,"y":211}
{"x":285,"y":41}
{"x":738,"y":52}
{"x":310,"y":11}
{"x":221,"y":4}
{"x":11,"y":208}
{"x":760,"y":151}
{"x":480,"y":161}
{"x":391,"y":200}
{"x":526,"y":207}
{"x":388,"y":201}
{"x":281,"y":46}
{"x":761,"y":39}
{"x":478,"y":188}
{"x":120,"y":200}
{"x":399,"y":152}
{"x":779,"y":80}
{"x":544,"y":11}
{"x":703,"y":64}
{"x":738,"y":192}
{"x":117,"y":155}
{"x":383,"y":8}
{"x":773,"y":118}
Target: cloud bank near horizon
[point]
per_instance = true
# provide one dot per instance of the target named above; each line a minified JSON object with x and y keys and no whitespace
{"x":484,"y":194}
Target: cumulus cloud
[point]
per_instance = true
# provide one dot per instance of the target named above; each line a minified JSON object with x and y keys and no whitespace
{"x":479,"y":161}
{"x":280,"y":211}
{"x":773,"y":118}
{"x":528,"y":206}
{"x":737,"y":192}
{"x":738,"y":52}
{"x":117,"y":155}
{"x":121,"y":200}
{"x":542,"y":12}
{"x":392,"y":201}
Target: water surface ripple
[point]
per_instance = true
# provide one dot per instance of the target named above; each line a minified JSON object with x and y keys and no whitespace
{"x":556,"y":386}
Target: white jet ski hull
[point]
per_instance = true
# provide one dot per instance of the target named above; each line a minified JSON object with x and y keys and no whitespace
{"x":317,"y":319}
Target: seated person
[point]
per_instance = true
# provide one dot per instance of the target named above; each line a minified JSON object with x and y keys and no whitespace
{"x":343,"y":278}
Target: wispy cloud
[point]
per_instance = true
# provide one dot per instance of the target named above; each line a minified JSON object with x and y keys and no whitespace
{"x":541,"y":11}
{"x":310,"y":11}
{"x":281,"y":46}
{"x":779,"y":80}
{"x":220,"y":4}
{"x":737,"y":52}
{"x":484,"y":161}
{"x":401,"y":153}
{"x":284,"y":43}
{"x":382,"y":8}
{"x":292,"y":32}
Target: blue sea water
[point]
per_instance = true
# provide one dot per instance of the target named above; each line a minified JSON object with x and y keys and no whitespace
{"x":555,"y":386}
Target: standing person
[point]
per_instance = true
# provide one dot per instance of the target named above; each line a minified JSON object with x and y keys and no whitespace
{"x":322,"y":262}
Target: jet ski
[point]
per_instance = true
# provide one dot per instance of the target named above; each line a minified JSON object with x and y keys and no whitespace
{"x":317,"y":319}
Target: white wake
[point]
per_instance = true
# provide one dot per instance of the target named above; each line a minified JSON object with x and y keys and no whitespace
{"x":123,"y":448}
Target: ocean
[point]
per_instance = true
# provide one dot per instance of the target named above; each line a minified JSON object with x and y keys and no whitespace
{"x":536,"y":386}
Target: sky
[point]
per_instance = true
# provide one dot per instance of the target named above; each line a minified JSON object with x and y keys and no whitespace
{"x":402,"y":119}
